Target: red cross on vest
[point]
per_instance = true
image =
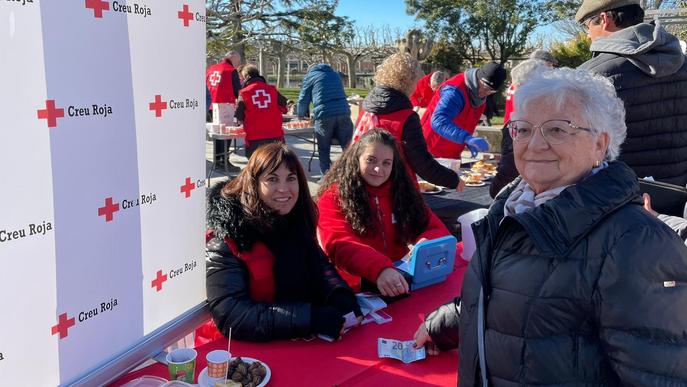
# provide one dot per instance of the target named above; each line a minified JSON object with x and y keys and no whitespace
{"x":261,"y":99}
{"x":63,"y":325}
{"x":98,"y":6}
{"x":187,"y":187}
{"x":158,"y":281}
{"x":108,"y":210}
{"x":215,"y":78}
{"x":185,"y":15}
{"x":50,"y":113}
{"x":157,"y":105}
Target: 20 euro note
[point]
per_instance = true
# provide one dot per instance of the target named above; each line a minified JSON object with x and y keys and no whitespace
{"x":400,"y":350}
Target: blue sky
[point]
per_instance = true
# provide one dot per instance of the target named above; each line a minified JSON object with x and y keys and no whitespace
{"x":377,"y":12}
{"x":393,"y":13}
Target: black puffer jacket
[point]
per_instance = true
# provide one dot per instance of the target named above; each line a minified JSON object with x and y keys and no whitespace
{"x":587,"y":289}
{"x":649,"y":71}
{"x":306,"y":283}
{"x":385,"y":100}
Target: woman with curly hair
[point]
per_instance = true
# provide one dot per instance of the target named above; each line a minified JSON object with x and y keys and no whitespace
{"x":266,"y":276}
{"x":370,"y":212}
{"x":388,"y":106}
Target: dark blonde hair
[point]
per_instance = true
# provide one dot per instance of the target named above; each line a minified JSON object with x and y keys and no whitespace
{"x":245,"y":186}
{"x":399,"y":71}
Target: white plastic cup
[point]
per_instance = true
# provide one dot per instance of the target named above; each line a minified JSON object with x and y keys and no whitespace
{"x":466,"y":221}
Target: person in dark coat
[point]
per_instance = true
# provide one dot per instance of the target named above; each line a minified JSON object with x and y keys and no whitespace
{"x":388,"y":107}
{"x":646,"y":65}
{"x":573,"y":283}
{"x":267,"y":278}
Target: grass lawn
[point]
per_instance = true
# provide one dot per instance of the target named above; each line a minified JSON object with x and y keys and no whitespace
{"x":292,"y":93}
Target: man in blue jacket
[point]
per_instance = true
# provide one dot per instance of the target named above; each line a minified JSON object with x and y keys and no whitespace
{"x":331,"y":115}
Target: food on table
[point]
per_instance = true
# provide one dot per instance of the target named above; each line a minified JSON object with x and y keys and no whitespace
{"x":297,"y":124}
{"x":228,"y":383}
{"x":247,"y":374}
{"x":473,"y":178}
{"x":427,"y":187}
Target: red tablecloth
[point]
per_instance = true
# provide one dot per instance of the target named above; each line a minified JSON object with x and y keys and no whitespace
{"x":351,"y":361}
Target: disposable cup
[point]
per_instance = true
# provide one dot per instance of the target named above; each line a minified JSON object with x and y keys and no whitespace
{"x":218,"y":364}
{"x":466,"y":221}
{"x":182,"y":364}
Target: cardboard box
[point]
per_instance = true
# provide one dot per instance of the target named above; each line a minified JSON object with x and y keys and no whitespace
{"x":223,"y":113}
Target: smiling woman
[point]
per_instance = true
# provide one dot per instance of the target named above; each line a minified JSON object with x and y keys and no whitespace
{"x":266,"y":276}
{"x":370,"y":211}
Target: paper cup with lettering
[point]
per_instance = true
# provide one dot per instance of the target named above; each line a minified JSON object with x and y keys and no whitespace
{"x":182,"y":364}
{"x":218,"y":364}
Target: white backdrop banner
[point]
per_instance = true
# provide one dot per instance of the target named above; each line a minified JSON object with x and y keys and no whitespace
{"x":102,"y":204}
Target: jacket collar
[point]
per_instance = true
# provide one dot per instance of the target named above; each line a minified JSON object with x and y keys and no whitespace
{"x":382,"y":190}
{"x":557,"y":225}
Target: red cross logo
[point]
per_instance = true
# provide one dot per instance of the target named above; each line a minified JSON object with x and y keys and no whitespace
{"x":50,"y":113}
{"x":108,"y":210}
{"x":185,"y":15}
{"x":98,"y":6}
{"x":157,"y":282}
{"x":158,"y":106}
{"x":187,"y":187}
{"x":63,"y":325}
{"x":215,"y":78}
{"x":261,"y":99}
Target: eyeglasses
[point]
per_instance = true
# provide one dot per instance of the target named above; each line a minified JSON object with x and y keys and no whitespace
{"x":486,"y":87}
{"x":554,"y":131}
{"x":585,"y":24}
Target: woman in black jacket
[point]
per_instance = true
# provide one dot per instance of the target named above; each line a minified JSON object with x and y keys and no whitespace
{"x":573,"y":283}
{"x":388,"y":106}
{"x":267,"y":278}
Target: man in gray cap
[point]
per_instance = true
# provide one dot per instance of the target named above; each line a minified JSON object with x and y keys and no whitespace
{"x":645,"y":64}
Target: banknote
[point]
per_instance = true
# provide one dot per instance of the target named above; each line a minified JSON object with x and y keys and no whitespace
{"x":400,"y":350}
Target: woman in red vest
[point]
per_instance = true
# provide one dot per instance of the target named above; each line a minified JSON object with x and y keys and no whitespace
{"x":259,"y":108}
{"x":267,"y":278}
{"x":388,"y":107}
{"x":370,"y":212}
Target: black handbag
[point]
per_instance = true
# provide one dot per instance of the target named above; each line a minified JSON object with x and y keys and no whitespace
{"x":666,"y":198}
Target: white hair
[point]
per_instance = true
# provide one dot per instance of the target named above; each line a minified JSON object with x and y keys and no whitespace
{"x":526,"y":69}
{"x":437,"y":78}
{"x":601,"y":107}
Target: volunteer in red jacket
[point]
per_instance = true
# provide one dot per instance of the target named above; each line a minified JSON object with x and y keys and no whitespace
{"x":267,"y":278}
{"x":260,"y":107}
{"x":426,"y":87}
{"x":370,"y":212}
{"x":453,"y":113}
{"x":387,"y":106}
{"x":222,"y":80}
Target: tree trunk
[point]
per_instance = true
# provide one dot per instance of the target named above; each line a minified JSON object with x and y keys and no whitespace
{"x":350,"y":64}
{"x":282,"y":61}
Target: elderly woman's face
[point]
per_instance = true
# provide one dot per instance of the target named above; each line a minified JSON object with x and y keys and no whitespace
{"x":545,"y":166}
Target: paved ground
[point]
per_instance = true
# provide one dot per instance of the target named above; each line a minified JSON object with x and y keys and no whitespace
{"x":303,"y":150}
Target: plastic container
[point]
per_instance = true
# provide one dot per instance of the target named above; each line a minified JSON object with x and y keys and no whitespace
{"x":147,"y":381}
{"x":466,"y":221}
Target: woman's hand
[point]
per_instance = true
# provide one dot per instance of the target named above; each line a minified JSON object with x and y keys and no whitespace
{"x":647,"y":204}
{"x":422,"y":338}
{"x":391,"y":283}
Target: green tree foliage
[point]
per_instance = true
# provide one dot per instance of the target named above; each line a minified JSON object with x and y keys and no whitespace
{"x":573,"y":52}
{"x":498,"y":27}
{"x":320,"y":31}
{"x":445,"y":55}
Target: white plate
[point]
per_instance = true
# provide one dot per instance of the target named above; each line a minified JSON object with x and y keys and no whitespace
{"x":481,"y":183}
{"x":438,"y":190}
{"x":203,"y":376}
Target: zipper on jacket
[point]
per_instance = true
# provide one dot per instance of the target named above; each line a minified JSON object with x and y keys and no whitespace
{"x":381,"y":225}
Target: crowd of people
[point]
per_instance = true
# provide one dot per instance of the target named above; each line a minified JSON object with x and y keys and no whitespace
{"x":575,"y":279}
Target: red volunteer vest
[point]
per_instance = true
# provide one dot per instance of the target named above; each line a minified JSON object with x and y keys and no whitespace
{"x":509,"y":103}
{"x":423,"y":92}
{"x":219,"y":82}
{"x":260,"y":262}
{"x":466,"y":119}
{"x":262,"y":115}
{"x":392,"y":123}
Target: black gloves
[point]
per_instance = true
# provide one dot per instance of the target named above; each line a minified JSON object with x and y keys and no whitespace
{"x":326,"y":320}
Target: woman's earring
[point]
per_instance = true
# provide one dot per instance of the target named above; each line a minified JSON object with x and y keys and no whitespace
{"x":597,"y":163}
